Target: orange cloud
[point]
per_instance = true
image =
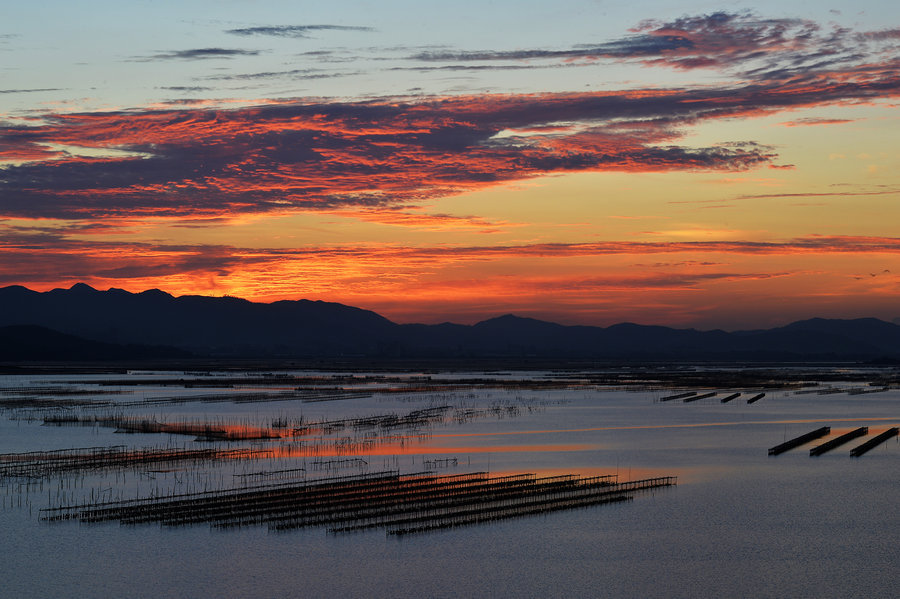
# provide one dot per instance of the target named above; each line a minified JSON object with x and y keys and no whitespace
{"x":326,"y":155}
{"x":806,"y":122}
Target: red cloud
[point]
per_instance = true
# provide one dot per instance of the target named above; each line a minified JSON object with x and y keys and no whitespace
{"x":322,"y":156}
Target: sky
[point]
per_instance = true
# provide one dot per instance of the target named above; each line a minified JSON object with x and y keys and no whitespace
{"x":729,"y":165}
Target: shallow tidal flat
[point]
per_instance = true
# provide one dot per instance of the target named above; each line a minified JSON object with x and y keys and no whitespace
{"x":644,"y":482}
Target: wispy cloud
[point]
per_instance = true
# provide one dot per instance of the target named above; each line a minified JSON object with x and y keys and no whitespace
{"x":29,"y":91}
{"x":186,"y":88}
{"x":308,"y":73}
{"x":843,"y":193}
{"x":295,"y":31}
{"x":883,"y":34}
{"x":62,"y":240}
{"x":89,"y":260}
{"x":470,"y":67}
{"x":811,"y":121}
{"x":200,"y":54}
{"x":405,"y":217}
{"x":743,"y":41}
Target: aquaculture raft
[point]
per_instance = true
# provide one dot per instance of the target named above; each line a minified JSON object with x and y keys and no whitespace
{"x":756,"y":398}
{"x":401,"y":504}
{"x":819,"y":432}
{"x":873,"y":442}
{"x":43,"y":464}
{"x":838,"y":441}
{"x":702,"y":396}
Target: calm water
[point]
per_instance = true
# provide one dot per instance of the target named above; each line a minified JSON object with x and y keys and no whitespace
{"x":739,"y":523}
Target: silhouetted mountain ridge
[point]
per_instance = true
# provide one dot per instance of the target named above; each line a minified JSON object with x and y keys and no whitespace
{"x":200,"y":324}
{"x":235,"y":327}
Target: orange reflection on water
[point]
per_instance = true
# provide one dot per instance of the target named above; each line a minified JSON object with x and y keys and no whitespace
{"x":226,"y":432}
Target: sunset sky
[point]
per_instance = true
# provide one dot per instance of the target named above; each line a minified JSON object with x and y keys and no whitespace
{"x":726,"y":165}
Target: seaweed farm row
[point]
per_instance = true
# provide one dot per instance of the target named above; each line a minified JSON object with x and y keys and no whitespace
{"x":28,"y":399}
{"x":836,"y":442}
{"x":272,"y":445}
{"x":400,"y":504}
{"x":286,"y":428}
{"x":44,"y":464}
{"x":314,"y":453}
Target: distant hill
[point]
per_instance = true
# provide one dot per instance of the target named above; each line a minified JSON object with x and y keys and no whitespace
{"x":203,"y":325}
{"x":36,"y":343}
{"x":233,"y":327}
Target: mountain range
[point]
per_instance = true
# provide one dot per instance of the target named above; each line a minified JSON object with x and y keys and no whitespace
{"x":84,"y":323}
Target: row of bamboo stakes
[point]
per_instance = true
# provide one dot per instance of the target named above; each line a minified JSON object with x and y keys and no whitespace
{"x":282,"y":427}
{"x":401,"y":504}
{"x":43,"y":464}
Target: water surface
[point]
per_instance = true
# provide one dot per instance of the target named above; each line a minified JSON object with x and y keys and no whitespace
{"x":739,"y":523}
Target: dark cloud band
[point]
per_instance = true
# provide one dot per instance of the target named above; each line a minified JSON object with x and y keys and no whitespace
{"x":295,"y":31}
{"x":201,"y":54}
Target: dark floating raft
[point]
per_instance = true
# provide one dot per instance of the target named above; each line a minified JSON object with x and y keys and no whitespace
{"x":678,"y":396}
{"x":838,"y":441}
{"x":796,"y":442}
{"x":401,"y":504}
{"x":703,"y":396}
{"x":730,"y":397}
{"x":873,"y":442}
{"x":756,"y":398}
